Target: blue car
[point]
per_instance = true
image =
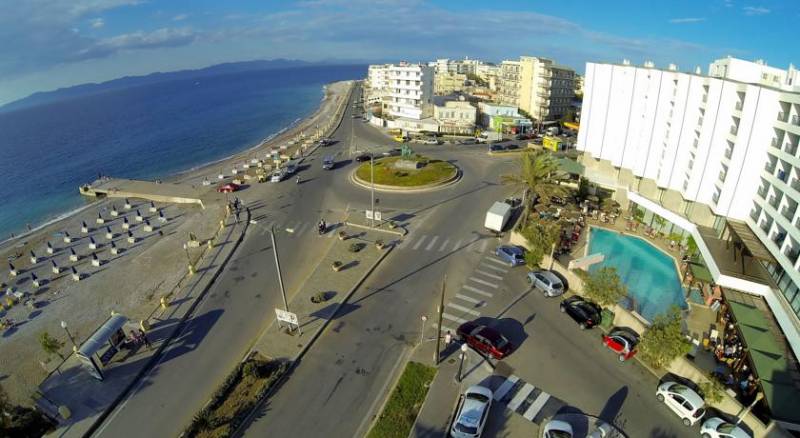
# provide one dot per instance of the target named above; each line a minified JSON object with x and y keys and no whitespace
{"x":513,"y":255}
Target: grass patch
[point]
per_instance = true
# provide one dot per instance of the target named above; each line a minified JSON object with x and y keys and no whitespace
{"x":236,"y":397}
{"x":401,"y":410}
{"x":386,"y":174}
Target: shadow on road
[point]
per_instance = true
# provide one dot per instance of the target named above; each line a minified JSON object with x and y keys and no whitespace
{"x":613,"y":405}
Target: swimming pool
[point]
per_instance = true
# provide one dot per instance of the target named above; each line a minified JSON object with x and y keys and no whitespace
{"x":650,"y":274}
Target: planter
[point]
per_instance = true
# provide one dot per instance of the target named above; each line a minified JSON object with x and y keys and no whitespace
{"x":337,"y":266}
{"x":380,"y":244}
{"x":355,"y":247}
{"x":392,"y":225}
{"x":342,"y":235}
{"x":322,"y":297}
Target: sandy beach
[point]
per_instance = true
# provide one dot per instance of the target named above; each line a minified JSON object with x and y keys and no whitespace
{"x":129,"y":282}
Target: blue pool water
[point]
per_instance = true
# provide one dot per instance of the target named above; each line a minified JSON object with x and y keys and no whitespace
{"x":650,"y":274}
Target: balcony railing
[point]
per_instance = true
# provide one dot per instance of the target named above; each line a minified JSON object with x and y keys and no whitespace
{"x":770,"y":167}
{"x":775,"y":143}
{"x":734,"y":130}
{"x":774,"y":202}
{"x":722,"y":175}
{"x":762,"y":192}
{"x":788,"y":213}
{"x":778,"y":238}
{"x":705,"y":98}
{"x":728,"y":153}
{"x":739,"y":106}
{"x":792,"y":254}
{"x":796,"y":184}
{"x":782,"y":116}
{"x":754,"y":215}
{"x":782,"y":175}
{"x":790,"y":148}
{"x":796,"y":120}
{"x":764,"y":225}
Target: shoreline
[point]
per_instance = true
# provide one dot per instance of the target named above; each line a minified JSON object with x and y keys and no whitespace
{"x":182,"y":175}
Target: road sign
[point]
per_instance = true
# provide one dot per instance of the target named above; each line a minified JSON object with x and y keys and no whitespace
{"x":369,"y":214}
{"x":377,"y":215}
{"x":285,"y":316}
{"x":373,"y":215}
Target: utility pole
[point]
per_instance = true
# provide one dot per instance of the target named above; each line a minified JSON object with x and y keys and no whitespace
{"x":372,"y":192}
{"x":278,"y":266}
{"x":440,"y":311}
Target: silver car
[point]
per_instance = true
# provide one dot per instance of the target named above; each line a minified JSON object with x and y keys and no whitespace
{"x":547,"y":282}
{"x":473,"y":410}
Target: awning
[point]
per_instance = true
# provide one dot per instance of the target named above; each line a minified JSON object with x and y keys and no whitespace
{"x":750,"y":240}
{"x":771,"y":366}
{"x":99,"y":338}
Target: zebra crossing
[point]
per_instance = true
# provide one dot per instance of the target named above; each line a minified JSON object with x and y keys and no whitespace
{"x":435,"y":243}
{"x":525,"y":399}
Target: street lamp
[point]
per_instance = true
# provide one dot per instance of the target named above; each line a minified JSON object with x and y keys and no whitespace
{"x":372,"y":192}
{"x":64,"y":326}
{"x":461,"y":364}
{"x":422,"y":333}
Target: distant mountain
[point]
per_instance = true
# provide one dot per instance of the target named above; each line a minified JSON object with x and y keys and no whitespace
{"x":44,"y":97}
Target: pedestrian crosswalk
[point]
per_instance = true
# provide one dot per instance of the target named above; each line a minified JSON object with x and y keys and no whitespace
{"x":525,"y":399}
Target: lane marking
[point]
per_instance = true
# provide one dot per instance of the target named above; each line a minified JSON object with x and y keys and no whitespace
{"x":496,"y":260}
{"x":453,"y":318}
{"x":464,"y":309}
{"x":433,"y":242}
{"x":444,"y":245}
{"x":536,"y":406}
{"x":484,"y":282}
{"x":493,"y":267}
{"x":505,"y":387}
{"x":469,"y":299}
{"x":477,"y":291}
{"x":520,"y":397}
{"x":483,"y":245}
{"x":496,"y":277}
{"x":457,"y":244}
{"x":419,"y":242}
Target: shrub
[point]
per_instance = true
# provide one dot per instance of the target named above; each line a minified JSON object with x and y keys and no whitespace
{"x":252,"y":369}
{"x":712,"y":390}
{"x":603,"y":286}
{"x":540,"y":238}
{"x":355,"y":247}
{"x":664,"y":340}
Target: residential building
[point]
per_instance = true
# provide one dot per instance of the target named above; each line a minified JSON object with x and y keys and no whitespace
{"x":445,"y":66}
{"x":546,"y":90}
{"x":503,"y":118}
{"x":455,"y":116}
{"x":410,"y":91}
{"x":448,"y":83}
{"x":469,"y":66}
{"x":508,"y":83}
{"x":578,"y":85}
{"x":489,"y":74}
{"x":377,"y":84}
{"x":717,"y":156}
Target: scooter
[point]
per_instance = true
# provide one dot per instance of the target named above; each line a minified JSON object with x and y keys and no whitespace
{"x":321,"y":228}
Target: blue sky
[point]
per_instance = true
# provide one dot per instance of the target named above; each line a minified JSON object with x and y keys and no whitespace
{"x":46,"y":44}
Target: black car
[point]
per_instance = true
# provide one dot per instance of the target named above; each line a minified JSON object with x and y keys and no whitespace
{"x":585,"y":313}
{"x":363,"y":157}
{"x":512,"y":146}
{"x":497,"y":148}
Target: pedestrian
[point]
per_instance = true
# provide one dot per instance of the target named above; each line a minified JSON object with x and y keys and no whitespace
{"x":143,"y":336}
{"x":237,"y":215}
{"x":447,"y":339}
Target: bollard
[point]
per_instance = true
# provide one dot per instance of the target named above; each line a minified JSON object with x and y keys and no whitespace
{"x":109,"y":234}
{"x":114,"y":249}
{"x":191,"y":269}
{"x":114,"y":211}
{"x":210,"y":243}
{"x":131,"y":239}
{"x":12,"y":271}
{"x":152,"y":207}
{"x":128,"y":205}
{"x":92,"y":243}
{"x":75,"y":275}
{"x":125,"y":225}
{"x":164,"y":303}
{"x":100,"y":219}
{"x":139,"y":217}
{"x":56,"y":270}
{"x":147,"y":227}
{"x":221,"y":224}
{"x":95,"y":261}
{"x":34,"y":259}
{"x":35,"y":281}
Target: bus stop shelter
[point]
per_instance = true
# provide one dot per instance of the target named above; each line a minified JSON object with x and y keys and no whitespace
{"x":97,"y":351}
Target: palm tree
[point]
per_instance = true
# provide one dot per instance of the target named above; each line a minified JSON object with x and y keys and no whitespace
{"x":537,"y":172}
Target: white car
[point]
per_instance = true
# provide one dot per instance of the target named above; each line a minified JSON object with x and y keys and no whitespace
{"x":719,"y":428}
{"x":683,"y":401}
{"x":547,"y":282}
{"x":473,"y":410}
{"x":278,"y":175}
{"x":557,"y":429}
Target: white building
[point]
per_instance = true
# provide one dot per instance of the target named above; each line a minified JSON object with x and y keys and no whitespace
{"x":410,"y":91}
{"x":709,"y":154}
{"x":546,"y":90}
{"x":377,"y":82}
{"x":508,"y":83}
{"x":455,"y":116}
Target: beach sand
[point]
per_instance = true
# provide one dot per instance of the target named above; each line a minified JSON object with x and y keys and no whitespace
{"x":130,"y":283}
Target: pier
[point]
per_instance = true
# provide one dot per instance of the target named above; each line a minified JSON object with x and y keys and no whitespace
{"x":150,"y":190}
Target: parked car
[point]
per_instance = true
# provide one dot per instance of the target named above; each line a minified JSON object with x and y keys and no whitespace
{"x":547,"y":282}
{"x":584,"y":312}
{"x":291,"y":167}
{"x":557,"y":429}
{"x":228,"y":188}
{"x":326,"y":142}
{"x":683,"y":401}
{"x":513,"y":255}
{"x":429,"y":141}
{"x":497,"y":148}
{"x":278,"y":175}
{"x":621,"y":342}
{"x":512,"y":146}
{"x":719,"y":428}
{"x":392,"y":152}
{"x":473,"y":410}
{"x":363,"y":157}
{"x":484,"y":339}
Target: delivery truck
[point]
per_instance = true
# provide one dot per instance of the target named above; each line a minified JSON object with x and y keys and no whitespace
{"x":497,"y":216}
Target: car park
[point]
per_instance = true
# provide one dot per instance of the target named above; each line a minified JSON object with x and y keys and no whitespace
{"x":484,"y":339}
{"x":718,"y":428}
{"x":513,"y":255}
{"x":621,"y":342}
{"x":584,"y":312}
{"x":547,"y":282}
{"x":363,"y":157}
{"x":472,"y":413}
{"x":683,"y":401}
{"x":228,"y":188}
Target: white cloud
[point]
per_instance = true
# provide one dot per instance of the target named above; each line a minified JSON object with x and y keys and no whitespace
{"x":165,"y":37}
{"x":97,"y":23}
{"x":755,"y":10}
{"x":686,"y":20}
{"x":180,"y":17}
{"x":727,"y":3}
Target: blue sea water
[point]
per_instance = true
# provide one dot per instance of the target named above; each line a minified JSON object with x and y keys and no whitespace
{"x":148,"y":131}
{"x":649,"y":274}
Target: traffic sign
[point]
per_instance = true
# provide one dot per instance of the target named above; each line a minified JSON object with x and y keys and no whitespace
{"x":285,"y":316}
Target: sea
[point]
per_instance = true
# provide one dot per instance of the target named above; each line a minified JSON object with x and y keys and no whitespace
{"x":147,"y":132}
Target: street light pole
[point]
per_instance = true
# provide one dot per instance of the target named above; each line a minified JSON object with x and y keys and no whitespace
{"x":440,"y":311}
{"x":422,"y":333}
{"x":71,"y":339}
{"x":278,"y":267}
{"x":461,"y":364}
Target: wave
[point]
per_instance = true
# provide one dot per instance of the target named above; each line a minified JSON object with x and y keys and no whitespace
{"x":47,"y":223}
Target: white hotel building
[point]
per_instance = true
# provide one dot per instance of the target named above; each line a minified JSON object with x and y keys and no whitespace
{"x":715,"y":155}
{"x":410,"y":93}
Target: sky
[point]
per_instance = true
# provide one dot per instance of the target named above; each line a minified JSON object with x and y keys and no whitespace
{"x":48,"y":44}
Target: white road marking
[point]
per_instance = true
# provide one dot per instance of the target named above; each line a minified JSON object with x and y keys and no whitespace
{"x":419,"y":242}
{"x":464,"y":309}
{"x":536,"y":406}
{"x":493,"y":267}
{"x":496,"y":260}
{"x":505,"y":387}
{"x":477,"y":291}
{"x":444,"y":245}
{"x":484,"y":282}
{"x":520,"y":397}
{"x":453,"y":318}
{"x":496,"y":277}
{"x":433,"y":242}
{"x":469,"y":299}
{"x":457,"y":245}
{"x":483,"y":245}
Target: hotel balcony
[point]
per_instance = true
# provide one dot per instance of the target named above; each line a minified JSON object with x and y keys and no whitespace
{"x":782,"y":175}
{"x":734,"y":129}
{"x":790,"y":148}
{"x":778,"y":237}
{"x":774,"y":202}
{"x":762,"y":192}
{"x":783,"y":116}
{"x":796,"y":120}
{"x":739,"y":106}
{"x":796,"y":184}
{"x":789,"y":212}
{"x":728,"y":153}
{"x":705,"y":98}
{"x":765,"y":225}
{"x":791,"y":254}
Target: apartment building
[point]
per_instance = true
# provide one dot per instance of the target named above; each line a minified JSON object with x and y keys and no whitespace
{"x":448,"y":83}
{"x":410,"y":91}
{"x":715,"y":155}
{"x":488,"y":73}
{"x":508,"y":83}
{"x":546,"y":90}
{"x":377,"y":84}
{"x":455,"y":116}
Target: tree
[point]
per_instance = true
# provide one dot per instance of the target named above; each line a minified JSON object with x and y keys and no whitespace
{"x":21,"y":421}
{"x":538,"y":172}
{"x":540,"y":237}
{"x":691,"y":246}
{"x":664,"y":340}
{"x":660,"y":222}
{"x":51,"y":345}
{"x":603,"y":286}
{"x":712,"y":390}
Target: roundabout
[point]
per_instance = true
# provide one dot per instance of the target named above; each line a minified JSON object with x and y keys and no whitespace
{"x":398,"y":174}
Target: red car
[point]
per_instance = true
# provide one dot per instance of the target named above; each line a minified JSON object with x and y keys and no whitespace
{"x":228,"y":188}
{"x":485,"y":339}
{"x":621,"y":342}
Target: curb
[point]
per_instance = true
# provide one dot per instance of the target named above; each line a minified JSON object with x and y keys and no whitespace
{"x":157,"y":355}
{"x":293,"y":363}
{"x":386,"y":393}
{"x":399,"y":233}
{"x":390,"y":189}
{"x":517,"y":152}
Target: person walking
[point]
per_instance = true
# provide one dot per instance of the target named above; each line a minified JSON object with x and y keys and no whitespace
{"x":448,"y":338}
{"x":143,"y":336}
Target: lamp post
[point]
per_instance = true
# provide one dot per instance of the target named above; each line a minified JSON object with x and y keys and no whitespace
{"x":461,"y":364}
{"x":372,"y":191}
{"x":422,"y":333}
{"x":278,"y":267}
{"x":64,"y":326}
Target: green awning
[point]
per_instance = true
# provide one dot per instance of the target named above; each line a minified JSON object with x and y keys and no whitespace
{"x":571,"y":167}
{"x":769,"y":360}
{"x":699,"y":270}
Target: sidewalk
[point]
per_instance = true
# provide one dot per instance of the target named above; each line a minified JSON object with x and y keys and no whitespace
{"x":89,"y":400}
{"x":440,"y":403}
